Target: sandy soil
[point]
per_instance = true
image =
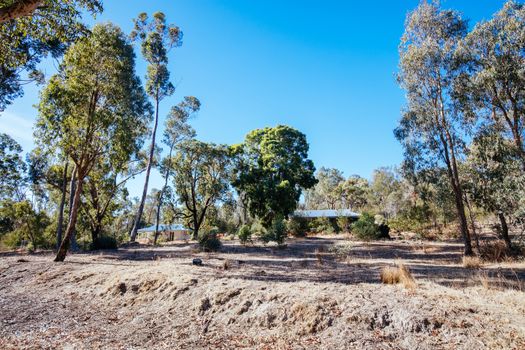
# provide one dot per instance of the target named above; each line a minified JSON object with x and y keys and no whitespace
{"x":318,"y":293}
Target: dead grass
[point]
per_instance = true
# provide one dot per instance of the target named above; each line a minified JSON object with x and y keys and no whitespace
{"x":472,"y":262}
{"x":494,"y":251}
{"x":400,"y":274}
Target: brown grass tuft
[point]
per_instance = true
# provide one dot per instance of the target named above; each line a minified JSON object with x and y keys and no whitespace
{"x":226,"y":264}
{"x":399,"y":274}
{"x":494,"y":251}
{"x":472,"y":262}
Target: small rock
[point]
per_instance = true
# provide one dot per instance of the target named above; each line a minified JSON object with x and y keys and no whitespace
{"x":197,"y":262}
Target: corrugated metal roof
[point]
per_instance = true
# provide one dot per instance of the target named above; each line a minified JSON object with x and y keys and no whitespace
{"x":176,"y":227}
{"x":326,"y":213}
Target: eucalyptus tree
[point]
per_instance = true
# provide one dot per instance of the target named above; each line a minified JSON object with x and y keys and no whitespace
{"x":492,"y":89}
{"x":496,"y":181}
{"x":354,"y":192}
{"x":12,"y":168}
{"x":94,"y":107}
{"x":327,"y":193}
{"x":272,"y":169}
{"x":157,"y":39}
{"x":430,"y":128}
{"x":201,"y":180}
{"x":31,"y":30}
{"x":105,"y":192}
{"x":176,"y":130}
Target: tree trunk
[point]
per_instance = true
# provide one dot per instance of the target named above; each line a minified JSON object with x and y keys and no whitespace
{"x":161,"y":195}
{"x":95,"y":233}
{"x":450,"y":160}
{"x":472,"y":223}
{"x":133,"y":234}
{"x":19,"y":8}
{"x":60,"y":220}
{"x":72,"y":190}
{"x":504,"y":230}
{"x":70,"y":231}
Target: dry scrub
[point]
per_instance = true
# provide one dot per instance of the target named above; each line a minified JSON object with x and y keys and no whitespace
{"x":252,"y":298}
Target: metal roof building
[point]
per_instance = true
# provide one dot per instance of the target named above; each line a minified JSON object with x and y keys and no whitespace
{"x":175,"y":227}
{"x":326,"y":213}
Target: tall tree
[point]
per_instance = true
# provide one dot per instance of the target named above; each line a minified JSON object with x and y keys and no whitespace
{"x":94,"y":107}
{"x":12,"y":168}
{"x":176,"y":130}
{"x":429,"y":127}
{"x":157,"y":39}
{"x":492,"y":88}
{"x":31,"y":30}
{"x":201,"y":179}
{"x":272,"y":170}
{"x":327,"y":193}
{"x":496,"y":181}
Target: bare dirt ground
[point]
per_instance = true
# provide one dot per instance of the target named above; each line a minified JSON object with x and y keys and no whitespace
{"x":318,"y":293}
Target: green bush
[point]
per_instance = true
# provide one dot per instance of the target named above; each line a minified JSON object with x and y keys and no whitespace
{"x":297,"y":227}
{"x":245,"y":234}
{"x":209,"y":241}
{"x":104,"y":242}
{"x":277,"y":233}
{"x":366,"y":229}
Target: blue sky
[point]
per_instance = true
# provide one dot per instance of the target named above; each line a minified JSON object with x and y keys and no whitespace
{"x":326,"y":68}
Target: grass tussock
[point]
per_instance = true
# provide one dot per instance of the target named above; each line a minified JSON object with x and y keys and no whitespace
{"x":472,"y":262}
{"x":400,"y":274}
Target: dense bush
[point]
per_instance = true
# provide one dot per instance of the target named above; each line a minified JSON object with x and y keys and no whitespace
{"x":245,"y":234}
{"x":104,"y":242}
{"x":209,"y":241}
{"x":366,"y":228}
{"x":297,"y":227}
{"x":276,"y":233}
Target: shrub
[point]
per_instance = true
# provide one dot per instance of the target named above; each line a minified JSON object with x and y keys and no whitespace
{"x":209,"y":241}
{"x":471,"y":262}
{"x":297,"y":227}
{"x":258,"y":229}
{"x":104,"y":242}
{"x":277,"y":233}
{"x":365,"y":228}
{"x":245,"y":234}
{"x":399,"y":274}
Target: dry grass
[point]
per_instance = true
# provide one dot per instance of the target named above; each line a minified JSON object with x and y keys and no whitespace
{"x":227,"y":264}
{"x":319,"y":256}
{"x":400,"y":274}
{"x":494,"y":251}
{"x":472,"y":262}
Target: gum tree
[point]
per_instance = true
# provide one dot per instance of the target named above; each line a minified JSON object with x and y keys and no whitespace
{"x":94,"y":107}
{"x":272,"y":169}
{"x":176,"y":130}
{"x":430,"y":128}
{"x":157,"y":39}
{"x":31,"y":30}
{"x":201,"y":179}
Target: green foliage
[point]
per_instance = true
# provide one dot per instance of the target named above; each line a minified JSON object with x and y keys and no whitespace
{"x":297,"y":227}
{"x":26,"y":40}
{"x":209,"y":241}
{"x":157,"y":39}
{"x":365,"y":228}
{"x":12,"y":167}
{"x":25,"y":224}
{"x":276,"y":233}
{"x":272,"y":168}
{"x":104,"y":242}
{"x":201,"y":179}
{"x":245,"y":234}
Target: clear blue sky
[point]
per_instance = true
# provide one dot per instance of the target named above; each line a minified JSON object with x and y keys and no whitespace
{"x":326,"y":68}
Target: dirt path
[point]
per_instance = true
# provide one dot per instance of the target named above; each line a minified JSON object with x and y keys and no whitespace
{"x":316,"y":293}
